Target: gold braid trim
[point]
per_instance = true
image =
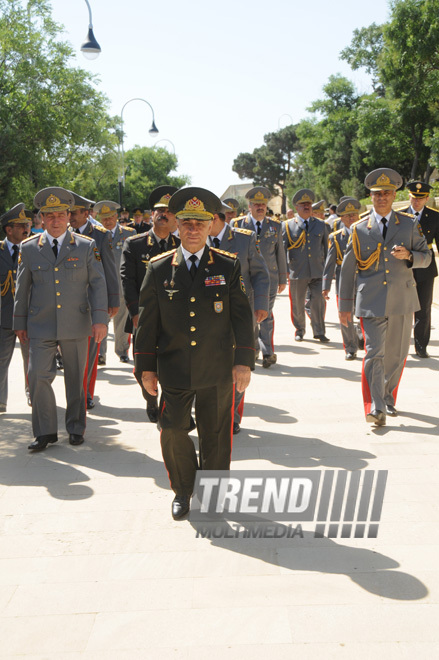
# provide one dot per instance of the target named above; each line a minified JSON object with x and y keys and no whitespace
{"x":364,"y":264}
{"x":8,"y":284}
{"x":300,"y":241}
{"x":339,"y":258}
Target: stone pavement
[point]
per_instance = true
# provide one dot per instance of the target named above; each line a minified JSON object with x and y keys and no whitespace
{"x":93,"y":567}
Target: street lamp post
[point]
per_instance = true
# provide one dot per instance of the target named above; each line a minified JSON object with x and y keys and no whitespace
{"x":90,"y":47}
{"x":152,"y":131}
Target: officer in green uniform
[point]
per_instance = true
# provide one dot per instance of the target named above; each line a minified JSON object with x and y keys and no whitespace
{"x":195,"y":335}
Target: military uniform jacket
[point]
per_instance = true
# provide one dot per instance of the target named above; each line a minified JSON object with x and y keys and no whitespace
{"x":430,"y":228}
{"x":136,"y":254}
{"x":242,"y":243}
{"x":139,"y":228}
{"x":120,"y":235}
{"x":306,"y":250}
{"x":387,"y":287}
{"x":270,"y":246}
{"x":334,"y":224}
{"x":8,"y":277}
{"x":102,"y":238}
{"x":337,"y":242}
{"x":59,"y":298}
{"x":193,"y":331}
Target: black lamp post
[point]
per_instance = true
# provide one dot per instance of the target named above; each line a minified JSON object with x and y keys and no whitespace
{"x":90,"y":47}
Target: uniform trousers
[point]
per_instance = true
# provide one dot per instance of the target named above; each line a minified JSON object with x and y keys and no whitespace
{"x":41,"y":373}
{"x":317,"y":306}
{"x":266,"y":328}
{"x":386,"y":341}
{"x":151,"y":400}
{"x":423,"y":316}
{"x":92,"y":367}
{"x":121,"y":338}
{"x":8,"y":339}
{"x":214,"y":414}
{"x":349,"y":334}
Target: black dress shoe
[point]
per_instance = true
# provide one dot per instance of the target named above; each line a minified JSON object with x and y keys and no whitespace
{"x":376,"y":417}
{"x":391,"y":410}
{"x":153,"y":414}
{"x":422,"y":353}
{"x":59,"y":362}
{"x":268,"y":360}
{"x":90,"y":402}
{"x":41,"y":441}
{"x":350,"y":356}
{"x":180,"y":506}
{"x":102,"y":361}
{"x":321,"y":338}
{"x":124,"y":358}
{"x":76,"y":439}
{"x":236,"y":428}
{"x":29,"y":400}
{"x":298,"y":337}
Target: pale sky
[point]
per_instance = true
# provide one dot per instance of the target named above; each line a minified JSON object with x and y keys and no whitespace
{"x":218,"y":75}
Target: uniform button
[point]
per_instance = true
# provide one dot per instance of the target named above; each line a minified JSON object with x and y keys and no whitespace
{"x":385,"y":248}
{"x":192,"y":299}
{"x":56,"y":269}
{"x":14,"y":271}
{"x":192,"y":314}
{"x":193,"y":328}
{"x":384,"y":282}
{"x":58,"y":293}
{"x":59,"y":306}
{"x":386,"y":259}
{"x":56,"y":281}
{"x":387,"y":271}
{"x":193,"y":343}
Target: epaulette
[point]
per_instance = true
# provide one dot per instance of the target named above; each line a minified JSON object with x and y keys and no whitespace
{"x":337,"y":232}
{"x":431,"y":209}
{"x":89,"y":238}
{"x":134,"y":238}
{"x":276,"y":220}
{"x":364,"y":214}
{"x":238,"y":218}
{"x":360,"y":220}
{"x":130,"y":229}
{"x":26,"y":240}
{"x":160,"y":256}
{"x":409,"y":215}
{"x":102,"y":229}
{"x":241,"y":230}
{"x":224,"y":252}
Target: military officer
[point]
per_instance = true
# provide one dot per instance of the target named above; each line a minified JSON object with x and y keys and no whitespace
{"x":306,"y":244}
{"x":61,"y":298}
{"x":138,"y":222}
{"x":269,"y":242}
{"x":107,"y":212}
{"x":242,"y":243}
{"x":16,"y":226}
{"x":196,"y":330}
{"x":232,"y":211}
{"x":428,"y":218}
{"x":384,"y":248}
{"x":318,"y":209}
{"x":136,"y":254}
{"x":102,"y":237}
{"x":348,"y":210}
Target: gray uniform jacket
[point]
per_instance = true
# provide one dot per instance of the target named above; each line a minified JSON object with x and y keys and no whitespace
{"x":59,"y":298}
{"x":270,"y":246}
{"x":8,"y":276}
{"x":306,"y":250}
{"x":102,"y":238}
{"x":242,"y":243}
{"x":387,"y":287}
{"x":120,"y":236}
{"x":338,"y":242}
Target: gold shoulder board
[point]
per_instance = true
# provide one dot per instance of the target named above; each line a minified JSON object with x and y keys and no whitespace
{"x":227,"y":254}
{"x":160,"y":256}
{"x":26,"y":240}
{"x":241,"y":230}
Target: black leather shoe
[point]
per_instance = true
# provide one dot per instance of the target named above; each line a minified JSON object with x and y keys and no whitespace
{"x":422,"y":353}
{"x":268,"y":360}
{"x":321,"y":338}
{"x":124,"y":358}
{"x":391,"y":410}
{"x":153,"y":414}
{"x":102,"y":361}
{"x":180,"y":506}
{"x":90,"y":402}
{"x":350,"y":356}
{"x":361,"y":344}
{"x":236,"y":428}
{"x":376,"y":417}
{"x":298,"y":337}
{"x":29,"y":400}
{"x":76,"y":439}
{"x":41,"y":441}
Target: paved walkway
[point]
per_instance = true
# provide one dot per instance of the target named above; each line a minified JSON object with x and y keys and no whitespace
{"x":93,"y":567}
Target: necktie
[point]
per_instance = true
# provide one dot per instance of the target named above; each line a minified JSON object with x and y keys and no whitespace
{"x":14,"y":253}
{"x":162,"y":245}
{"x":193,"y":268}
{"x":258,"y":227}
{"x":416,"y":213}
{"x":306,"y":225}
{"x":384,"y":221}
{"x":216,"y":242}
{"x":77,"y":231}
{"x":55,"y":247}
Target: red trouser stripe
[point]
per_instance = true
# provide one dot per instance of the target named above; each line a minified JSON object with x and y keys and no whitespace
{"x":231,"y":421}
{"x":367,"y":399}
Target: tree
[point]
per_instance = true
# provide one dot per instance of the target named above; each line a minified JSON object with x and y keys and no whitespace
{"x":364,"y":51}
{"x":271,"y":164}
{"x":54,"y":129}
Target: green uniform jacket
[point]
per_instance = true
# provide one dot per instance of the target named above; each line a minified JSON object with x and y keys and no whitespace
{"x":192,"y":332}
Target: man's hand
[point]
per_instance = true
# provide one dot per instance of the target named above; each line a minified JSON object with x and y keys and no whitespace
{"x":400,"y":252}
{"x":241,"y":377}
{"x":149,"y":381}
{"x":325,"y":294}
{"x":135,"y":320}
{"x":260,"y":315}
{"x":112,"y":311}
{"x":99,"y":332}
{"x":22,"y":336}
{"x":345,"y":318}
{"x":281,"y":287}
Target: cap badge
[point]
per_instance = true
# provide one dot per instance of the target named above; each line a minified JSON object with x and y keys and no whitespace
{"x":22,"y":215}
{"x":52,"y":201}
{"x":259,"y":196}
{"x":350,"y":208}
{"x":383,"y":180}
{"x":194,"y":204}
{"x":419,"y":186}
{"x":105,"y":209}
{"x":305,"y":198}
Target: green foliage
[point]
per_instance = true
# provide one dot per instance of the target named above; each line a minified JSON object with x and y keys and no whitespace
{"x":364,"y":51}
